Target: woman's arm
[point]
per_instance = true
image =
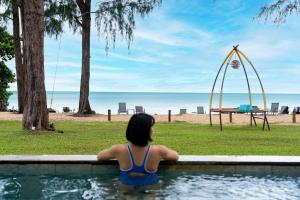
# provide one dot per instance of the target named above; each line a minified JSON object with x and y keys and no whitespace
{"x":168,"y":154}
{"x":109,"y":153}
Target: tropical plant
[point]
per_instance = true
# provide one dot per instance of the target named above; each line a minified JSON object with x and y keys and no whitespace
{"x":6,"y":75}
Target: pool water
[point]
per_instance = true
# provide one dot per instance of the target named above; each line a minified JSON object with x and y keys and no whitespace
{"x":174,"y":185}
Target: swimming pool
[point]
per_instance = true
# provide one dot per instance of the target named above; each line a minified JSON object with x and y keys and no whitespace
{"x":179,"y":185}
{"x":92,"y":180}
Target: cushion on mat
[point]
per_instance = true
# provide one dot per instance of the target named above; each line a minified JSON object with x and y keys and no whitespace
{"x":245,"y":108}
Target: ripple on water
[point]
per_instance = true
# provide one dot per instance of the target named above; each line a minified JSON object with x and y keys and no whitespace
{"x":174,"y":186}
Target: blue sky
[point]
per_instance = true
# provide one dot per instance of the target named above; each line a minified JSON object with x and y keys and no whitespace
{"x":179,"y":48}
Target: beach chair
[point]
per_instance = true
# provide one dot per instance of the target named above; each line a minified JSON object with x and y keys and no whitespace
{"x":139,"y":109}
{"x":274,"y":108}
{"x":66,"y":109}
{"x":122,"y":108}
{"x":182,"y":111}
{"x":284,"y":110}
{"x":297,"y":110}
{"x":200,"y":110}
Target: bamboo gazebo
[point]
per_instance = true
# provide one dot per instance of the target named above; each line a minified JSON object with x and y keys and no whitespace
{"x":253,"y":111}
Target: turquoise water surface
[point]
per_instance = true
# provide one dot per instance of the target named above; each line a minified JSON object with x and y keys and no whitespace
{"x":159,"y":103}
{"x":179,"y":185}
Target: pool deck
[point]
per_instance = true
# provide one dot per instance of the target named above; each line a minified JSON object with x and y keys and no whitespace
{"x":183,"y":160}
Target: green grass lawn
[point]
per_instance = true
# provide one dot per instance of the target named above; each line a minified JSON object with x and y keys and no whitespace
{"x":90,"y":137}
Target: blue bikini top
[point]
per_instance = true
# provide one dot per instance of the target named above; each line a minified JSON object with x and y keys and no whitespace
{"x":147,"y":177}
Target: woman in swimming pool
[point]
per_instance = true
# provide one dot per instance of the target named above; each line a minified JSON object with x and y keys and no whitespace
{"x":138,"y":160}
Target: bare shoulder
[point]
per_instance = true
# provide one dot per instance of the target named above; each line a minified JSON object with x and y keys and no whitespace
{"x":165,"y":152}
{"x":111,"y":152}
{"x":118,"y":147}
{"x":159,"y":148}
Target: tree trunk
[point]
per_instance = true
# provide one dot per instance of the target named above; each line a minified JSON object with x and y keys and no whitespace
{"x":18,"y":58}
{"x":35,"y":114}
{"x":84,"y":105}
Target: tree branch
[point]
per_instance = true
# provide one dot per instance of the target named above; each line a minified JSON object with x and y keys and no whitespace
{"x":8,"y":17}
{"x":103,"y":11}
{"x":77,"y":20}
{"x":279,"y":10}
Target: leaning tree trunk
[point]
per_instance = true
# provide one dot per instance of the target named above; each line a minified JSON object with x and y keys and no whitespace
{"x":18,"y":59}
{"x":35,"y":114}
{"x":84,"y":104}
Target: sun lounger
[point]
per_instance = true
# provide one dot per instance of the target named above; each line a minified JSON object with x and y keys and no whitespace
{"x":297,"y":110}
{"x":66,"y":109}
{"x":284,"y":110}
{"x":200,"y":110}
{"x":122,"y":108}
{"x":139,"y":109}
{"x":182,"y":111}
{"x":274,"y":108}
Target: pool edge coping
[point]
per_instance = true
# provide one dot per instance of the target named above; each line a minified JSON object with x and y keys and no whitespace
{"x":183,"y":160}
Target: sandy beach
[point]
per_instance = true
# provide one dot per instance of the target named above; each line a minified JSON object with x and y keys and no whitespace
{"x":190,"y":118}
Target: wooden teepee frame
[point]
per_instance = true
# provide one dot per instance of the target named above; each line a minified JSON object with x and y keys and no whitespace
{"x":227,"y":61}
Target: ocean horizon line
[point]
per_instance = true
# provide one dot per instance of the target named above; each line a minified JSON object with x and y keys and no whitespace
{"x":160,"y":92}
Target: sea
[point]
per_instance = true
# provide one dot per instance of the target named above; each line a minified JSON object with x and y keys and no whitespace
{"x":159,"y":103}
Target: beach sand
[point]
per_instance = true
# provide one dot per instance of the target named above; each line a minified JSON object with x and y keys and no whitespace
{"x":190,"y":118}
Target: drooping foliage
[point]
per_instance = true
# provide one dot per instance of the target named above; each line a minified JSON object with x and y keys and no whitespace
{"x":118,"y":17}
{"x":6,"y":15}
{"x":279,"y":10}
{"x":58,"y":12}
{"x":112,"y":17}
{"x":6,"y":75}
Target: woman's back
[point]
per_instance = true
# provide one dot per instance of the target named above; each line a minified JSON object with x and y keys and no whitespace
{"x":138,"y":160}
{"x":138,"y":156}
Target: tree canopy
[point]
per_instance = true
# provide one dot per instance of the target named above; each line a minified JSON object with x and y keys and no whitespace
{"x":6,"y":75}
{"x":112,"y":17}
{"x":56,"y":12}
{"x":6,"y":45}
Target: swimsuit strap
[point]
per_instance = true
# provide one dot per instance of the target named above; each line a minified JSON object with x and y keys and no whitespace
{"x":146,"y":156}
{"x":146,"y":162}
{"x":132,"y":157}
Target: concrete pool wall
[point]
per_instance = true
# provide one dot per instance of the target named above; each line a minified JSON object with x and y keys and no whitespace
{"x":89,"y":165}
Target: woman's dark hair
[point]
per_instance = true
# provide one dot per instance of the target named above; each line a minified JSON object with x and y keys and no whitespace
{"x":139,"y":129}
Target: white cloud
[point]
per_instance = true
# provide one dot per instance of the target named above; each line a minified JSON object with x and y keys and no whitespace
{"x":174,"y":33}
{"x":179,"y":48}
{"x":62,"y":64}
{"x":157,"y":37}
{"x":129,"y":57}
{"x":66,"y":64}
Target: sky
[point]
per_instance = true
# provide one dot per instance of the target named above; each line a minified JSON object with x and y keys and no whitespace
{"x":179,"y":47}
